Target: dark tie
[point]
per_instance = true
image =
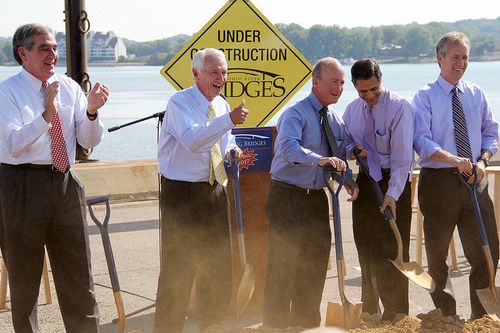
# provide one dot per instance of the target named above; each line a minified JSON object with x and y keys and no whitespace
{"x":371,"y":146}
{"x":60,"y":159}
{"x":327,"y":130}
{"x":461,"y":134}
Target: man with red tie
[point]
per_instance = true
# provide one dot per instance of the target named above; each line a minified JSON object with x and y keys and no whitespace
{"x":42,"y":115}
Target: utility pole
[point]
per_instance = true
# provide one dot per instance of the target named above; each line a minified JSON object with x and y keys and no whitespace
{"x":77,"y":26}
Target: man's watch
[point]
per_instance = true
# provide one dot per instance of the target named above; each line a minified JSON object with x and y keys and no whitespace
{"x":91,"y":116}
{"x":484,"y":160}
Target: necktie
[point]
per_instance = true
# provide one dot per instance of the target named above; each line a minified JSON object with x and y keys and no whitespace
{"x":460,"y":125}
{"x":327,"y":130}
{"x":217,"y":171}
{"x":60,"y":159}
{"x":371,"y":146}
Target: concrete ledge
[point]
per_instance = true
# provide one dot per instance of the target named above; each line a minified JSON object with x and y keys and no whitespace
{"x":122,"y":181}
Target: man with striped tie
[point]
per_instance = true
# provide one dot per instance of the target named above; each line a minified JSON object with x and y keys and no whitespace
{"x":42,"y":115}
{"x":454,"y":128}
{"x":380,"y":122}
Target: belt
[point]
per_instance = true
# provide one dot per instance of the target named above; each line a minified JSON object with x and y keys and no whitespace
{"x":386,"y":171}
{"x":47,"y":167}
{"x":307,"y":191}
{"x":447,"y":170}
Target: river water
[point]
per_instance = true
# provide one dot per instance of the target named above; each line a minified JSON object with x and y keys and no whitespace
{"x":138,"y":92}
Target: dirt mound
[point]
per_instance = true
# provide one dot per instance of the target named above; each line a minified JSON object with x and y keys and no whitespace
{"x":431,"y":322}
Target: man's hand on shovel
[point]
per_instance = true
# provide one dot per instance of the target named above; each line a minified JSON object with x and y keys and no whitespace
{"x":389,"y":202}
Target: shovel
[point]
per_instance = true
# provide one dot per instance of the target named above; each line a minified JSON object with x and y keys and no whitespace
{"x":108,"y":252}
{"x":487,"y":296}
{"x":411,"y":270}
{"x":247,"y":284}
{"x":347,"y":314}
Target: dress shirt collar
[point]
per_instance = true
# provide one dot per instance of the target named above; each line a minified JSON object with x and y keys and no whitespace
{"x":316,"y":104}
{"x":202,"y":101}
{"x":33,"y":82}
{"x":384,"y":94}
{"x":448,"y":87}
{"x":199,"y":98}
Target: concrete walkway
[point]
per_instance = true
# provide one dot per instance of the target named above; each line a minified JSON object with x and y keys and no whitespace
{"x":135,"y":240}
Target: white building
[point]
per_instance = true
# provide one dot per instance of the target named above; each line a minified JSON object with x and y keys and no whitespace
{"x":100,"y":46}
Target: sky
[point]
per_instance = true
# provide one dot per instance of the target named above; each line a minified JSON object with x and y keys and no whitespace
{"x":146,"y":20}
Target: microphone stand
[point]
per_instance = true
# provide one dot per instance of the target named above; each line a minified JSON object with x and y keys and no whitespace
{"x":160,"y":116}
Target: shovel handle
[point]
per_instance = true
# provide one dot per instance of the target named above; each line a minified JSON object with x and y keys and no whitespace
{"x":380,"y":198}
{"x":472,"y":189}
{"x":337,"y":228}
{"x":375,"y":187}
{"x":106,"y":242}
{"x":237,"y":206}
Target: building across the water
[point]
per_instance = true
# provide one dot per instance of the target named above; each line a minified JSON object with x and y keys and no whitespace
{"x":101,"y":47}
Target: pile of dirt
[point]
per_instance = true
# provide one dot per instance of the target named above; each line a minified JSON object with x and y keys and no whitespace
{"x":431,"y":322}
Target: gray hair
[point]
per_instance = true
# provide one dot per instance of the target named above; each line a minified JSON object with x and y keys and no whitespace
{"x":451,"y":37}
{"x":327,"y":62}
{"x":23,"y":37}
{"x":199,"y":58}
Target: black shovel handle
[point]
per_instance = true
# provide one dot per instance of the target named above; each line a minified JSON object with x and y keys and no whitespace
{"x":375,"y":187}
{"x":106,"y":242}
{"x":337,"y":227}
{"x":472,"y":190}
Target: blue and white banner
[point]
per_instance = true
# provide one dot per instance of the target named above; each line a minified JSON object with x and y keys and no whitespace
{"x":257,"y":146}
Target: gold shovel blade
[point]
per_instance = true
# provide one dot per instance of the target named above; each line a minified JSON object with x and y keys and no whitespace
{"x":245,"y":290}
{"x":490,"y":302}
{"x":415,"y":273}
{"x":343,"y":315}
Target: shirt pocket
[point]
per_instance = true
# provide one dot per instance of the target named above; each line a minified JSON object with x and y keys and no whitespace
{"x":383,"y":142}
{"x":66,"y":114}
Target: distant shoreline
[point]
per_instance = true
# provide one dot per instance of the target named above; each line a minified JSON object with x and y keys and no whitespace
{"x":396,"y":60}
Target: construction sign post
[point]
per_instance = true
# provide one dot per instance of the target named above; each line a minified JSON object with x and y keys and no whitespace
{"x":264,"y":68}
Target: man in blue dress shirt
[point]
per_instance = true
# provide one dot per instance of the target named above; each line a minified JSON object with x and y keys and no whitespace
{"x":391,"y":131}
{"x":443,"y":199}
{"x":297,"y":209}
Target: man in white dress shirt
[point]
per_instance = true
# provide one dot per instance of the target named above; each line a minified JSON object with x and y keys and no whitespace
{"x":194,"y":204}
{"x":42,"y":115}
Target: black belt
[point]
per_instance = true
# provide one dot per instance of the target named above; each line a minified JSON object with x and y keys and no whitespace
{"x":386,"y":171}
{"x":46,"y":167}
{"x":446,"y":170}
{"x":307,"y":191}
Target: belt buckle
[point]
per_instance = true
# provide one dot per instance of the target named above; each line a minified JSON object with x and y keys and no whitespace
{"x":56,"y":170}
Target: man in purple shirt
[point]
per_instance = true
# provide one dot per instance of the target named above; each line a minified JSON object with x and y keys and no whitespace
{"x":391,"y":129}
{"x":443,"y":199}
{"x":297,"y":208}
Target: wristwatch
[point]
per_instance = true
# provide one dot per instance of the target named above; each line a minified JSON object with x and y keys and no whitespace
{"x":484,"y":160}
{"x":91,"y":116}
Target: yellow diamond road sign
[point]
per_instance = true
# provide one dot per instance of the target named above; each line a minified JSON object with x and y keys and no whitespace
{"x":264,"y":68}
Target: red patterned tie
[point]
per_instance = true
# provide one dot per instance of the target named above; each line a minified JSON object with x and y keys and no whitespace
{"x":60,"y":159}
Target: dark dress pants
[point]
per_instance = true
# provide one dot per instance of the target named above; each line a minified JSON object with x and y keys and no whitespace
{"x":40,"y":207}
{"x":445,"y":203}
{"x":195,"y":242}
{"x":298,"y":252}
{"x":376,"y":244}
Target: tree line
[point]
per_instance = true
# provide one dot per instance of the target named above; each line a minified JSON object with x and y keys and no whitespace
{"x":392,"y":43}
